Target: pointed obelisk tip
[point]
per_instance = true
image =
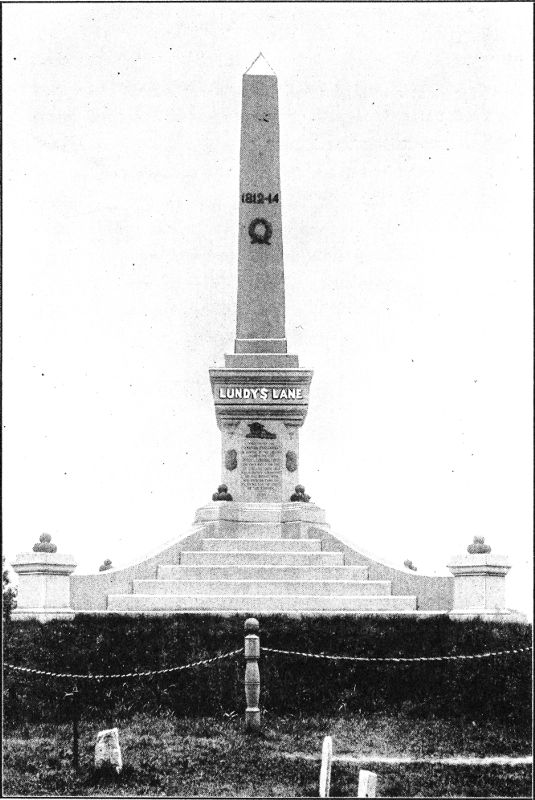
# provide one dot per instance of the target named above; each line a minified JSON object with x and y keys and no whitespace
{"x":259,"y":67}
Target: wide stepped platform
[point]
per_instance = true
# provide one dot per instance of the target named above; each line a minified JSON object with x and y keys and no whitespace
{"x":260,"y":573}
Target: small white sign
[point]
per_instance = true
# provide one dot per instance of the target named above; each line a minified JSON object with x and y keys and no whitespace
{"x":108,"y":750}
{"x":367,"y":783}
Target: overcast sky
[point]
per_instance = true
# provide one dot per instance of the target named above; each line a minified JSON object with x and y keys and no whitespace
{"x":407,"y":206}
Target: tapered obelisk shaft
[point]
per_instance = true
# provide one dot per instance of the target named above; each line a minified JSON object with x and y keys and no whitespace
{"x":261,"y":395}
{"x":260,"y":312}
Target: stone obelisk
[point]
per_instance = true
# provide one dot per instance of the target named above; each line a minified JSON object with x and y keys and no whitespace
{"x":260,"y":317}
{"x":261,"y":396}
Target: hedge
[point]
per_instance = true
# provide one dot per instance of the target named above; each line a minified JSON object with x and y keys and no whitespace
{"x":498,"y":688}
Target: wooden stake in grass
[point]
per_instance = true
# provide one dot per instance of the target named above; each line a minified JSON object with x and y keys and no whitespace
{"x":252,"y":675}
{"x":74,"y":708}
{"x":326,"y":765}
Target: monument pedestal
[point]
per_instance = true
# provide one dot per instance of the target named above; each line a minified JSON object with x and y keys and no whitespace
{"x":43,"y":586}
{"x":259,"y":412}
{"x":479,"y":586}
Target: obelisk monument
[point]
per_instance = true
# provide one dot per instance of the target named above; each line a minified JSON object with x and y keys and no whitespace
{"x":261,"y":396}
{"x":260,"y":318}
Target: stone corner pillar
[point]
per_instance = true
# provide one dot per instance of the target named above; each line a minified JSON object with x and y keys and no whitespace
{"x":479,"y":585}
{"x":44,"y":590}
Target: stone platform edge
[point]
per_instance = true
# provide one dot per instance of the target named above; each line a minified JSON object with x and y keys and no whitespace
{"x":434,"y":593}
{"x":507,"y":615}
{"x":89,"y":592}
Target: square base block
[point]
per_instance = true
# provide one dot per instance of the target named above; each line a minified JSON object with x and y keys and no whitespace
{"x":479,"y":585}
{"x":262,"y":520}
{"x":44,"y":586}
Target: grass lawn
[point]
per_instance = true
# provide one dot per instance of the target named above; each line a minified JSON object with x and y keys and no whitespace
{"x":166,"y":756}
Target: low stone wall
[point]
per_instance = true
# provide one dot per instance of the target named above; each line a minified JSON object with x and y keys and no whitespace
{"x":433,"y":592}
{"x":90,"y":592}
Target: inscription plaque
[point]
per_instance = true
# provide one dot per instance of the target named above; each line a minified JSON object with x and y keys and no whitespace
{"x":261,"y":472}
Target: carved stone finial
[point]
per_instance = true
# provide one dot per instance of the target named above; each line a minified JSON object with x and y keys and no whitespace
{"x":478,"y":546}
{"x":106,"y":565}
{"x":44,"y":545}
{"x":300,"y":496}
{"x":251,"y":625}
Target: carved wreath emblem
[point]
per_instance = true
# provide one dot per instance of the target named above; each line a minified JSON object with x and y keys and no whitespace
{"x":231,"y":459}
{"x":260,"y":231}
{"x":291,"y":460}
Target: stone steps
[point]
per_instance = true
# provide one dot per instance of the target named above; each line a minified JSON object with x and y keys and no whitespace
{"x":303,"y":545}
{"x":276,"y":558}
{"x":260,"y":572}
{"x":262,"y":588}
{"x":259,"y":604}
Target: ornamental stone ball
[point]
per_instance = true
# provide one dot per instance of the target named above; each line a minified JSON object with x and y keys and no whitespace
{"x":222,"y":493}
{"x":300,"y":496}
{"x":251,"y":625}
{"x":478,"y":546}
{"x":44,"y":545}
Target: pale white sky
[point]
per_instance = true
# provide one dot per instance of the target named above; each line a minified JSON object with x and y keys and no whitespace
{"x":407,"y":206}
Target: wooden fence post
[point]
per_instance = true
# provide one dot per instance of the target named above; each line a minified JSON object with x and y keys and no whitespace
{"x":252,"y":675}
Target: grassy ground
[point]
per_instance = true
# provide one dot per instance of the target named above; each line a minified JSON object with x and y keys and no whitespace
{"x":166,"y":756}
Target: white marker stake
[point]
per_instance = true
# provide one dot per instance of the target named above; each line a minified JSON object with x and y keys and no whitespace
{"x":326,"y":763}
{"x":367,"y":783}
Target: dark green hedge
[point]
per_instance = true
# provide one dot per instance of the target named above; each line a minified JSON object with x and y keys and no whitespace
{"x":495,"y":687}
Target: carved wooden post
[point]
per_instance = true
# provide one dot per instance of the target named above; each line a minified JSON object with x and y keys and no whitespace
{"x":252,"y":675}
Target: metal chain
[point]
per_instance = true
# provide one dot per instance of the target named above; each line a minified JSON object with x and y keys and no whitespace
{"x":416,"y":658}
{"x":147,"y":674}
{"x":150,"y":673}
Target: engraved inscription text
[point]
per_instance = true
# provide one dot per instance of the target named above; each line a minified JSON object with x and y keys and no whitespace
{"x":261,"y":466}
